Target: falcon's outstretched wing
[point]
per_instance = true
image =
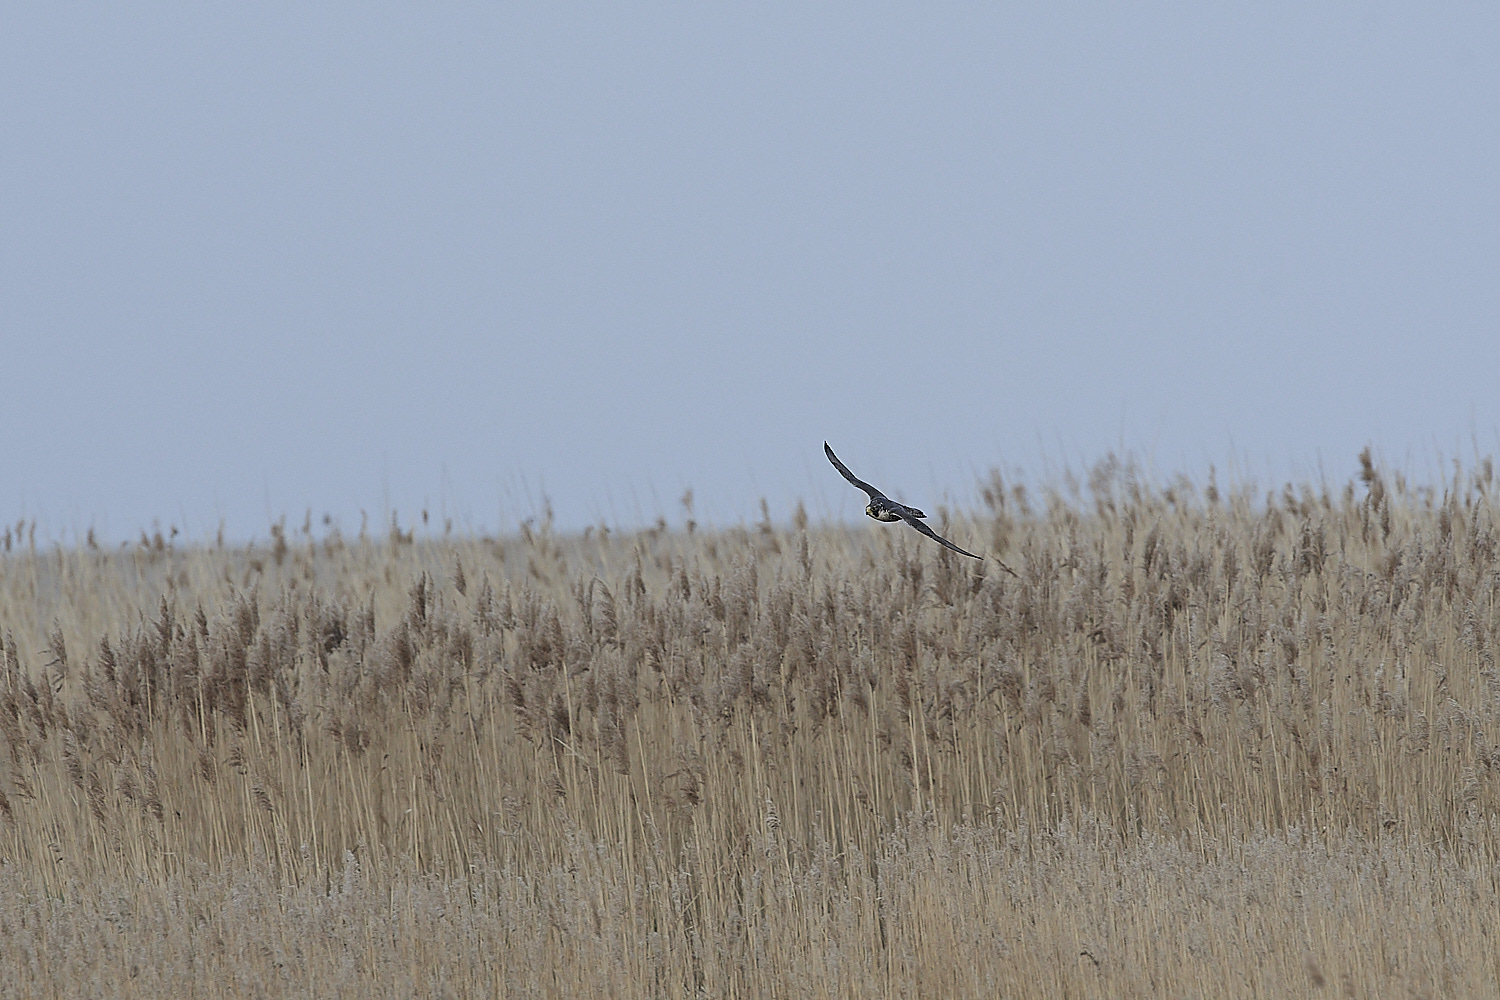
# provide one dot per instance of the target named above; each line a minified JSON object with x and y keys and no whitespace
{"x":844,"y":471}
{"x":938,"y":538}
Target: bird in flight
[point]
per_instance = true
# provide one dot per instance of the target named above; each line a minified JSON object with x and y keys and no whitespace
{"x":883,"y":508}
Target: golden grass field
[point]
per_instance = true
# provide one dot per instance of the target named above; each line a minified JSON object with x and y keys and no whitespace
{"x":1204,"y":744}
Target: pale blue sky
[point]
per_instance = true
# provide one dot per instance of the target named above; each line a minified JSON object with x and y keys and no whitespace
{"x":261,"y":258}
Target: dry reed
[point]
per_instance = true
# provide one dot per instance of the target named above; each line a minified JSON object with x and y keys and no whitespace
{"x":1204,"y":745}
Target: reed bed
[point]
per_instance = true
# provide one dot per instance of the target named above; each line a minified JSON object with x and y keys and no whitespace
{"x":1202,"y":744}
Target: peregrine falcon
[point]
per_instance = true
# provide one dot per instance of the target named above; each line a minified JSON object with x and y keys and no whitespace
{"x":883,"y":508}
